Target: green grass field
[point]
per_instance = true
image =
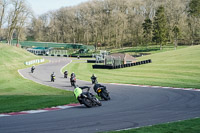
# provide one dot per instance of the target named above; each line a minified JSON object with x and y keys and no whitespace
{"x":174,"y":68}
{"x":188,"y":126}
{"x":180,"y":68}
{"x":177,"y":68}
{"x":145,"y":50}
{"x":18,"y":94}
{"x":132,"y":50}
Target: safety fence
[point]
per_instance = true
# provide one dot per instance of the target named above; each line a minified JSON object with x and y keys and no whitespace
{"x":33,"y":62}
{"x":122,"y":65}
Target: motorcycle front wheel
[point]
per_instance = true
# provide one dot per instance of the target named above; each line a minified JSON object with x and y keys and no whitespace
{"x":97,"y":101}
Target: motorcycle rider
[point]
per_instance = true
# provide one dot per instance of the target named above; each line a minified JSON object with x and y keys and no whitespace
{"x":101,"y":91}
{"x":93,"y":78}
{"x":97,"y":85}
{"x":32,"y":68}
{"x":53,"y":76}
{"x":65,"y":73}
{"x":73,"y":79}
{"x":79,"y":90}
{"x":73,"y":74}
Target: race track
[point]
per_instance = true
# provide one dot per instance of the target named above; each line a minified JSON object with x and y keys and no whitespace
{"x":129,"y":107}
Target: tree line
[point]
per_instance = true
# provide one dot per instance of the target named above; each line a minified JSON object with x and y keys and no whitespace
{"x":13,"y":19}
{"x":108,"y":23}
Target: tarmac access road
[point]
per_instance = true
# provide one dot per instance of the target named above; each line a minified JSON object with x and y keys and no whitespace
{"x":129,"y":107}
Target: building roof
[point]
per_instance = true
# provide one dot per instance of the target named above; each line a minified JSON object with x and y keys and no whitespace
{"x":117,"y":55}
{"x":125,"y":57}
{"x":129,"y":58}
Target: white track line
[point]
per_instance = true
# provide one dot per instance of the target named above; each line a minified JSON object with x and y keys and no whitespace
{"x":64,"y":67}
{"x":39,"y":111}
{"x":2,"y":115}
{"x":34,"y":111}
{"x":21,"y":74}
{"x":186,"y":89}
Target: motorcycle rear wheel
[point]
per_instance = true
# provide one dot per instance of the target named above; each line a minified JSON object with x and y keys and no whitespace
{"x":87,"y":102}
{"x":105,"y":95}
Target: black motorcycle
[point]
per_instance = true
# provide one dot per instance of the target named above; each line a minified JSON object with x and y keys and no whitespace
{"x":65,"y":74}
{"x":88,"y":99}
{"x":32,"y":69}
{"x":94,"y":80}
{"x":101,"y":91}
{"x":53,"y":78}
{"x":73,"y":81}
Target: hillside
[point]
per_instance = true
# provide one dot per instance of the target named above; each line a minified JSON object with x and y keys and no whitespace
{"x":13,"y":55}
{"x":177,"y":68}
{"x":18,"y":94}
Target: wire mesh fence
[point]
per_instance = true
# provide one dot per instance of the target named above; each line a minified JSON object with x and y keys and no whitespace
{"x":58,"y":52}
{"x":113,"y":61}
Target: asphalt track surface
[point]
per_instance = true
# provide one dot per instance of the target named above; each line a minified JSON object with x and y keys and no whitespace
{"x":129,"y":107}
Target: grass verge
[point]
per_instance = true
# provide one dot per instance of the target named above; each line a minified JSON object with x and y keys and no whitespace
{"x":177,"y":68}
{"x":145,"y":50}
{"x":18,"y":94}
{"x":17,"y":103}
{"x":187,"y":126}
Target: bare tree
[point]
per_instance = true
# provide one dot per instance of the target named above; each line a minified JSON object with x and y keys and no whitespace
{"x":19,"y":7}
{"x":25,"y":14}
{"x":112,"y":23}
{"x":3,"y":7}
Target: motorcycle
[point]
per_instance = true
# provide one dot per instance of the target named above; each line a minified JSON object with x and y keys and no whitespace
{"x":101,"y":91}
{"x":32,"y":69}
{"x":53,"y":78}
{"x":65,"y":75}
{"x":94,"y":80}
{"x":73,"y":81}
{"x":87,"y":98}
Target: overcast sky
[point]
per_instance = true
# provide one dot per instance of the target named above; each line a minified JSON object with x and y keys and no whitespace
{"x":42,"y":6}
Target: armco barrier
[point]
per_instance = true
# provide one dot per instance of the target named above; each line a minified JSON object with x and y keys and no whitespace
{"x":122,"y":66}
{"x":53,"y":55}
{"x":94,"y":61}
{"x":34,"y":61}
{"x":143,"y":62}
{"x":82,"y":56}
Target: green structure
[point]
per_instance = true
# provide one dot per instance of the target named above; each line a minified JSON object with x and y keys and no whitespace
{"x":47,"y":51}
{"x":28,"y":44}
